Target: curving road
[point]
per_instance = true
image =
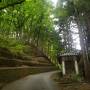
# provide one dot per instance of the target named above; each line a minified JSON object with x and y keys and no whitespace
{"x":33,"y":82}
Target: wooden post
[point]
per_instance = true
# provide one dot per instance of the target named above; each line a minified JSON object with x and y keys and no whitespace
{"x":63,"y":66}
{"x":76,"y":65}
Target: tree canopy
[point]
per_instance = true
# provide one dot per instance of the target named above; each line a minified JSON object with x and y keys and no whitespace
{"x":51,"y":29}
{"x":7,"y":3}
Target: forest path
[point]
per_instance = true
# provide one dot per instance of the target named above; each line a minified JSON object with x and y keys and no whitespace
{"x":40,"y":81}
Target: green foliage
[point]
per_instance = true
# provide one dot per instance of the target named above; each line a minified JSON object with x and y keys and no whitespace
{"x":6,"y":3}
{"x":61,"y":12}
{"x":29,"y":23}
{"x":11,"y":44}
{"x":77,"y":78}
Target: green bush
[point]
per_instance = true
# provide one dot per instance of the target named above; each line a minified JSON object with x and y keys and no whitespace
{"x":76,"y":78}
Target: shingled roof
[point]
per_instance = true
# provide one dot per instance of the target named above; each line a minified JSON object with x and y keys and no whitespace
{"x":69,"y":54}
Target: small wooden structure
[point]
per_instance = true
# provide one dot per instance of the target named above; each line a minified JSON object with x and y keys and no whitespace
{"x":69,"y":63}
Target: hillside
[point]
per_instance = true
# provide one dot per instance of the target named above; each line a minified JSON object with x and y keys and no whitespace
{"x":31,"y":56}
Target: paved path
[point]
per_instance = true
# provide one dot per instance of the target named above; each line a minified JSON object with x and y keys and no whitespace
{"x":33,"y":82}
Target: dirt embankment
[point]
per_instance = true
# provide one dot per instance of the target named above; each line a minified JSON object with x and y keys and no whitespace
{"x":31,"y":56}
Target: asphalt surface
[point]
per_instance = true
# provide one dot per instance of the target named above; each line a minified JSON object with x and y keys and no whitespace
{"x":33,"y":82}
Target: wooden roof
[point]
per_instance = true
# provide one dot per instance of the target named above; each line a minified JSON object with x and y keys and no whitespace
{"x":69,"y":54}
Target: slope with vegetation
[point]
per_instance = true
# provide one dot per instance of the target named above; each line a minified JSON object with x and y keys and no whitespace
{"x":27,"y":32}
